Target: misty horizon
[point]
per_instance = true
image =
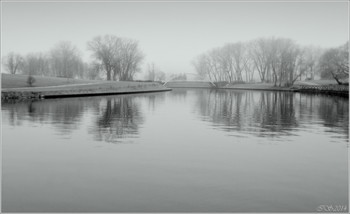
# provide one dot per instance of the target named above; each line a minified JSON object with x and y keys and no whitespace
{"x":170,"y":34}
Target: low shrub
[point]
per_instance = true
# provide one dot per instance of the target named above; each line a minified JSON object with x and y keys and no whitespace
{"x":30,"y":80}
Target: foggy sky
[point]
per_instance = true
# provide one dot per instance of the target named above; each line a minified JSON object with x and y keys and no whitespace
{"x":170,"y":34}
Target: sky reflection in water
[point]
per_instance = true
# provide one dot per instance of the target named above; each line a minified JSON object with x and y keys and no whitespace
{"x":180,"y":151}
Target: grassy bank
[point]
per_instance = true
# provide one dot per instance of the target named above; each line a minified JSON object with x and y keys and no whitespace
{"x":255,"y":86}
{"x":15,"y":87}
{"x":316,"y":86}
{"x":20,"y":81}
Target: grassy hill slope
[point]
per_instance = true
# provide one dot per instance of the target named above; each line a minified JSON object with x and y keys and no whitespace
{"x":20,"y":81}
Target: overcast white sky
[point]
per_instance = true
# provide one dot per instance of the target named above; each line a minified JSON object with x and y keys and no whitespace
{"x":170,"y":34}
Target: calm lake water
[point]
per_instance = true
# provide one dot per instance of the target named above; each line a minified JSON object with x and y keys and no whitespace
{"x":180,"y":151}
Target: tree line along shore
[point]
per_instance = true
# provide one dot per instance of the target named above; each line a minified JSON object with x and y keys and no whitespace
{"x":280,"y":61}
{"x":260,"y":64}
{"x":277,"y":60}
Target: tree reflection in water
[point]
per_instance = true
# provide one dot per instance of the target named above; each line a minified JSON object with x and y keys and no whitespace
{"x":64,"y":114}
{"x":120,"y":118}
{"x":267,"y":113}
{"x":240,"y":113}
{"x":179,"y":94}
{"x":334,"y":111}
{"x":117,"y":117}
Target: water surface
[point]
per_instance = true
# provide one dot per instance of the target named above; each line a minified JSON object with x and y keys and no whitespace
{"x":179,"y":151}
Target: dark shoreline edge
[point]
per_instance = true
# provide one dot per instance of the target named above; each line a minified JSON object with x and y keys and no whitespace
{"x":310,"y":90}
{"x":37,"y":95}
{"x":302,"y":91}
{"x":9,"y":94}
{"x":342,"y":93}
{"x":104,"y":93}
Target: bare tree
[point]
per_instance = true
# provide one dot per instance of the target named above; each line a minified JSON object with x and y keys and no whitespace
{"x":259,"y":54}
{"x":249,"y":69}
{"x":160,"y":76}
{"x":13,"y":62}
{"x":227,"y":63}
{"x":93,"y":70}
{"x":238,"y":59}
{"x":249,"y":65}
{"x":36,"y":64}
{"x":66,"y":60}
{"x":214,"y":61}
{"x":335,"y":61}
{"x":120,"y":57}
{"x":343,"y":59}
{"x":105,"y":51}
{"x":128,"y":60}
{"x":154,"y":74}
{"x":311,"y":58}
{"x":289,"y":55}
{"x":286,"y":62}
{"x":151,"y":72}
{"x":201,"y":66}
{"x":277,"y":60}
{"x":211,"y":65}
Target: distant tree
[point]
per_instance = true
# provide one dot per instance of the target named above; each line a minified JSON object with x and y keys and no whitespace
{"x":311,"y":58}
{"x":128,"y":60}
{"x":234,"y":60}
{"x":105,"y":50}
{"x":154,"y":74}
{"x":178,"y":77}
{"x":259,"y":53}
{"x":249,"y":66}
{"x":151,"y":72}
{"x":284,"y":60}
{"x":343,"y":63}
{"x":66,"y":60}
{"x":36,"y":64}
{"x":277,"y":60}
{"x":201,"y":67}
{"x":93,"y":70}
{"x":13,"y":62}
{"x":160,"y":76}
{"x":335,"y":62}
{"x":120,"y":58}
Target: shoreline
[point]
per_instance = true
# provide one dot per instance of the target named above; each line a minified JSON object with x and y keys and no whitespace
{"x":124,"y":87}
{"x":105,"y":93}
{"x":87,"y":90}
{"x":81,"y":90}
{"x":301,"y":87}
